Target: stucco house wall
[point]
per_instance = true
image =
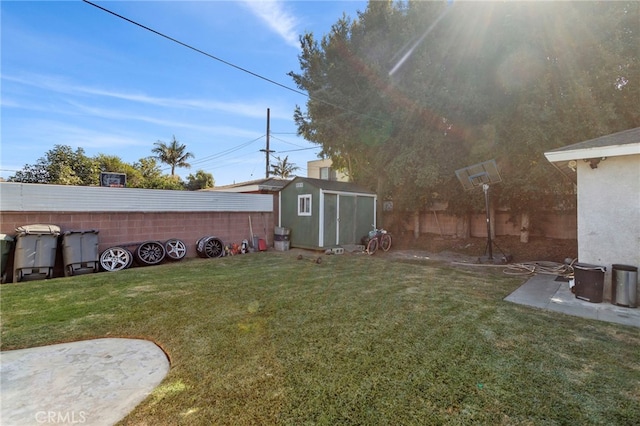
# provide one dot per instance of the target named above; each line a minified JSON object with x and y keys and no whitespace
{"x":609,"y":211}
{"x":607,"y":173}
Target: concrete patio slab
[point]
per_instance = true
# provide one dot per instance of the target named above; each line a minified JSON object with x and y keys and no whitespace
{"x":542,"y":291}
{"x":96,"y":382}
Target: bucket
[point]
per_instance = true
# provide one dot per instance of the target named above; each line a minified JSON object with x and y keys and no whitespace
{"x":281,"y":237}
{"x":281,"y":234}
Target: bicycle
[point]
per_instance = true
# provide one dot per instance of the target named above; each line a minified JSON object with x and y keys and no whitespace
{"x":378,"y":238}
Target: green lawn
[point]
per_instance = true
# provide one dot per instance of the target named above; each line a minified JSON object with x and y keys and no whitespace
{"x":268,"y":339}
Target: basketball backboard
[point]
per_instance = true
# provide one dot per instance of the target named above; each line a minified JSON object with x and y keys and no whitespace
{"x":478,"y":175}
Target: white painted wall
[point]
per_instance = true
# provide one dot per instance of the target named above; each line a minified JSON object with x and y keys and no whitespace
{"x":609,"y":214}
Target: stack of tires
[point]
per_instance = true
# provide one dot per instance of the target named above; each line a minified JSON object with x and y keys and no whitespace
{"x":209,"y":247}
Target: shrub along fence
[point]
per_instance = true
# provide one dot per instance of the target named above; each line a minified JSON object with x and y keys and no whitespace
{"x":553,"y":224}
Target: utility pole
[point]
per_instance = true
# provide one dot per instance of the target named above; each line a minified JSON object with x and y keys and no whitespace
{"x":267,"y":151}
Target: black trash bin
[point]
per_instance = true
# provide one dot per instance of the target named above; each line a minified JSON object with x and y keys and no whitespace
{"x":6,"y":242}
{"x":80,"y":252}
{"x":589,"y":282}
{"x":624,"y":281}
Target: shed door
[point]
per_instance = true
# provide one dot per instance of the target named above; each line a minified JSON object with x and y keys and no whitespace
{"x":330,"y":220}
{"x":346,"y":218}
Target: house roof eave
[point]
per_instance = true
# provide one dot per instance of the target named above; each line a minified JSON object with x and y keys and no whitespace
{"x":594,"y":152}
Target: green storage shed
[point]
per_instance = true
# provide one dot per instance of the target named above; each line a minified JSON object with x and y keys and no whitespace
{"x":324,"y":214}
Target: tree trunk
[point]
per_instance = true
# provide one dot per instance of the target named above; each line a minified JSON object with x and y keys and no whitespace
{"x":524,"y":227}
{"x":416,"y":224}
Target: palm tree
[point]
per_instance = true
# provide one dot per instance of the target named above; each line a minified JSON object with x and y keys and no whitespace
{"x":283,"y":168}
{"x":172,"y":154}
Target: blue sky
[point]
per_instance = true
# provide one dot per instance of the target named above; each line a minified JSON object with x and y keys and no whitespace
{"x":72,"y":74}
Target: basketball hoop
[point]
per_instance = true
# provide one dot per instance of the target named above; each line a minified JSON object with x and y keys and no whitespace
{"x":483,"y":175}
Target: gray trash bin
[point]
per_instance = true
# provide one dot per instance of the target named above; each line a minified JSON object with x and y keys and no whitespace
{"x":589,"y":282}
{"x":624,"y":281}
{"x":6,"y":241}
{"x":35,"y":253}
{"x":80,"y":252}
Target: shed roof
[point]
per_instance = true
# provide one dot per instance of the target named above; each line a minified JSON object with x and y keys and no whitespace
{"x":333,"y":185}
{"x":272,"y":184}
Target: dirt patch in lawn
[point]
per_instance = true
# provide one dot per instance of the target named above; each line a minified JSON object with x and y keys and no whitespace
{"x":470,"y":249}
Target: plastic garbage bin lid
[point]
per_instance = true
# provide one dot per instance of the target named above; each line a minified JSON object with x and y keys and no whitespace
{"x":38,"y":229}
{"x":589,"y":267}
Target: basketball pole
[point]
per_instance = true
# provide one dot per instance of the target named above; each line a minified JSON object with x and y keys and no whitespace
{"x":485,"y":188}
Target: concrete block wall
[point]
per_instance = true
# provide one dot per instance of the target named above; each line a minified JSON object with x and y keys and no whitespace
{"x":123,"y":228}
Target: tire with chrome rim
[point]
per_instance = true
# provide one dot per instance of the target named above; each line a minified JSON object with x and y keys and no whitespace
{"x":175,"y":249}
{"x":115,"y":259}
{"x":150,"y":253}
{"x":209,"y":247}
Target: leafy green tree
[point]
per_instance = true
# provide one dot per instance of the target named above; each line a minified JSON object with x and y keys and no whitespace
{"x":172,"y":153}
{"x":283,"y":168}
{"x":60,"y":165}
{"x":152,"y":177}
{"x":201,"y":180}
{"x":409,"y":92}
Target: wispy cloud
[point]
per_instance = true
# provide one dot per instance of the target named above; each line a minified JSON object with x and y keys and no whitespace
{"x":250,"y":109}
{"x":276,"y":16}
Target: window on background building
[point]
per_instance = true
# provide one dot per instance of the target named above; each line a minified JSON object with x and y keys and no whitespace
{"x":326,"y":173}
{"x":304,"y":205}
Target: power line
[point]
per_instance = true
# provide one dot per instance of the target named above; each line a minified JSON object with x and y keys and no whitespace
{"x":202,"y":52}
{"x":283,"y":141}
{"x":228,"y":151}
{"x":301,"y":149}
{"x":221,"y":154}
{"x":254,"y":74}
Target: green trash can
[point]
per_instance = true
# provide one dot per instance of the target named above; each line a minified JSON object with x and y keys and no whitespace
{"x":6,"y":242}
{"x":35,"y":252}
{"x":80,"y":252}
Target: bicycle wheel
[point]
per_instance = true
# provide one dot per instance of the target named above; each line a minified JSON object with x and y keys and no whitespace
{"x":372,"y":246}
{"x":385,"y":242}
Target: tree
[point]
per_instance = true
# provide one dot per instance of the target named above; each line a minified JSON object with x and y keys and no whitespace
{"x":282,"y":168}
{"x":60,"y":165}
{"x":172,"y":154}
{"x":201,"y":180}
{"x":479,"y":80}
